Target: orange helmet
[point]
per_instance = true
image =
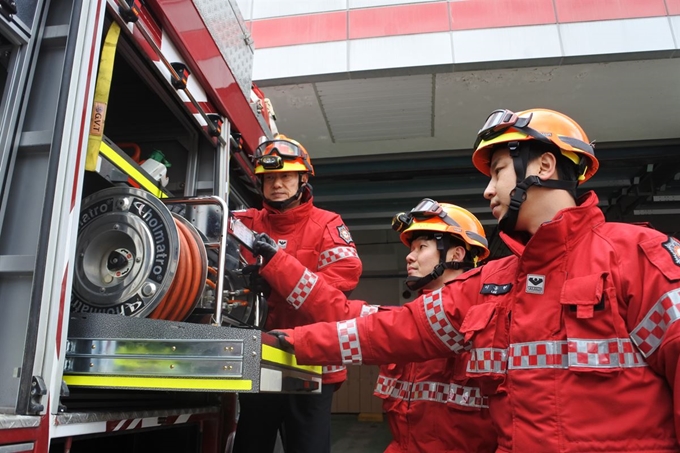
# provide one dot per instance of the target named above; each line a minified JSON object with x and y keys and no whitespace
{"x":430,"y":216}
{"x":282,"y":154}
{"x":504,"y":126}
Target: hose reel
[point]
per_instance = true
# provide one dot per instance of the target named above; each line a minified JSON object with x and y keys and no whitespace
{"x":135,"y":257}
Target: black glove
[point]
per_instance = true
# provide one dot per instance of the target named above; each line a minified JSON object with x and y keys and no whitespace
{"x":283,"y":341}
{"x":264,"y":246}
{"x":256,"y":282}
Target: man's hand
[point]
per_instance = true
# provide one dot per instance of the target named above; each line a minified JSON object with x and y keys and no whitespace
{"x":284,"y":339}
{"x":256,"y":282}
{"x":264,"y":246}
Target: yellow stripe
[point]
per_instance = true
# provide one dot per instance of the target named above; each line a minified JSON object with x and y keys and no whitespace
{"x":130,"y":170}
{"x":275,"y":355}
{"x":158,"y":383}
{"x":101,"y":96}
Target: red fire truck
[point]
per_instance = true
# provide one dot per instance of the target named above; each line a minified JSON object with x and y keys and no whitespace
{"x":126,"y":130}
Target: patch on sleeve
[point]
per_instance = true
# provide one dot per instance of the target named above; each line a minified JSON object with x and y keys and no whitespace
{"x":673,"y":247}
{"x":343,"y":232}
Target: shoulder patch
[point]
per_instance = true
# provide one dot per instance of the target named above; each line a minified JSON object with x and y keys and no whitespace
{"x":673,"y":247}
{"x":343,"y":232}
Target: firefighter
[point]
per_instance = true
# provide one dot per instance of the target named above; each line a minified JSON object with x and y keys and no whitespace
{"x":573,"y":336}
{"x":320,"y":241}
{"x":430,"y":406}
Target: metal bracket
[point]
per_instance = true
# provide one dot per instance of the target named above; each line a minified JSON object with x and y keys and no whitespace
{"x":38,"y":390}
{"x":8,"y":8}
{"x":63,"y":392}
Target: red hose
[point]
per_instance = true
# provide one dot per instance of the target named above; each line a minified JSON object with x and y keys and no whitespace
{"x":178,"y":302}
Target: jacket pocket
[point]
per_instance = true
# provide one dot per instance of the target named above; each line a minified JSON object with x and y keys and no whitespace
{"x":486,"y":327}
{"x":597,"y":339}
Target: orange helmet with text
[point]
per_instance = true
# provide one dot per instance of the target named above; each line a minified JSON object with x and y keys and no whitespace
{"x":431,"y":216}
{"x":282,"y":154}
{"x":548,"y":126}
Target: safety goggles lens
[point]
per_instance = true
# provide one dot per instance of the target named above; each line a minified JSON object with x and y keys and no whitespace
{"x":281,"y":148}
{"x":499,"y":120}
{"x":426,"y":208}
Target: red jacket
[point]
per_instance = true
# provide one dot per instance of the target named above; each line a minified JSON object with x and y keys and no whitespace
{"x":573,"y":337}
{"x":431,"y":406}
{"x":317,"y":240}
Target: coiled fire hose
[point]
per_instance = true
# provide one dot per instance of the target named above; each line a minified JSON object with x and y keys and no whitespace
{"x":178,"y":302}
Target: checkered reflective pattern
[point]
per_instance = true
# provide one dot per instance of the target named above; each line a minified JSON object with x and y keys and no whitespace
{"x":573,"y":353}
{"x":467,"y":396}
{"x":368,"y":310}
{"x":330,"y":369}
{"x":434,"y":310}
{"x":609,"y":353}
{"x":649,"y":333}
{"x":350,"y":347}
{"x":488,"y":360}
{"x":301,"y":291}
{"x":430,"y":391}
{"x":392,"y":387}
{"x":544,"y":354}
{"x":438,"y":392}
{"x":338,"y":253}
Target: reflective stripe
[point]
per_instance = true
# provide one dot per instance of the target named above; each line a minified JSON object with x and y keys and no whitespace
{"x":467,"y":396}
{"x":302,"y":289}
{"x":434,"y":311}
{"x":338,"y":253}
{"x":487,"y":360}
{"x":573,"y":353}
{"x":368,"y":310}
{"x":330,"y":369}
{"x":392,"y":387}
{"x":649,"y":333}
{"x":350,"y":347}
{"x":437,"y":392}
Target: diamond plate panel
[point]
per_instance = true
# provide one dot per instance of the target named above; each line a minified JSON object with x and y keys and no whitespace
{"x":225,"y":23}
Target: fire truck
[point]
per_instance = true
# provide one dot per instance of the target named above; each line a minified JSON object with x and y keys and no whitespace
{"x":127,"y":322}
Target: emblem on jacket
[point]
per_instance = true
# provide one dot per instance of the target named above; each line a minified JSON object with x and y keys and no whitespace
{"x":282,"y":243}
{"x":344,"y":234}
{"x":535,"y":283}
{"x":673,"y":247}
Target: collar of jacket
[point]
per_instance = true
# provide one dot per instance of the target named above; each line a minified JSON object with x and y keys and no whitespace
{"x":559,"y":235}
{"x":287,"y":220}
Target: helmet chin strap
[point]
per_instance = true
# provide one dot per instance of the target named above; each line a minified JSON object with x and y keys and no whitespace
{"x":518,"y":195}
{"x":281,"y":205}
{"x":443,"y":245}
{"x":416,"y":283}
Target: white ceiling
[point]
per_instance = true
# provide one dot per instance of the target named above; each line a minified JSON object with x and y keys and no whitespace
{"x":614,"y":102}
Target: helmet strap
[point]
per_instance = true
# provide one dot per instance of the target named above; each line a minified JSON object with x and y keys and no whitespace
{"x":299,"y":195}
{"x":520,"y":156}
{"x":443,"y":245}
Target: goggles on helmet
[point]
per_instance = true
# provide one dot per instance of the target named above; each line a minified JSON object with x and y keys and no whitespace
{"x":425,"y":209}
{"x":271,"y":154}
{"x":500,"y":121}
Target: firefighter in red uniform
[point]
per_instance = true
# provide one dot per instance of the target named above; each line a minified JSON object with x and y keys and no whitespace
{"x":573,"y":337}
{"x":320,"y":241}
{"x":431,"y":406}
